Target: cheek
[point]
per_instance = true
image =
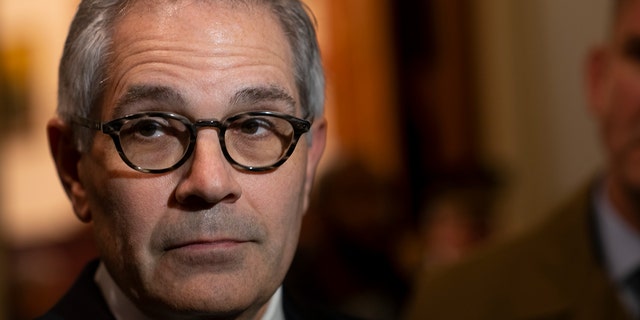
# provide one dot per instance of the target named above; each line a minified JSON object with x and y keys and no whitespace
{"x":278,"y":198}
{"x":621,"y":118}
{"x":282,"y":188}
{"x":625,"y":92}
{"x":125,"y":212}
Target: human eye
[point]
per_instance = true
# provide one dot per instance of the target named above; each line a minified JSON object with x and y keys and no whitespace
{"x":148,"y":128}
{"x":256,"y":132}
{"x":153,"y":141}
{"x":632,"y":49}
{"x":255,"y":126}
{"x":258,"y":140}
{"x":152,"y":129}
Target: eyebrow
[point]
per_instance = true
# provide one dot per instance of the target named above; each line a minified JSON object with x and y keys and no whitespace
{"x":170,"y":97}
{"x":137,"y":94}
{"x":255,"y":95}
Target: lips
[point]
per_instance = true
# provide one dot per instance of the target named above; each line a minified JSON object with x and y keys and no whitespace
{"x":206,"y":244}
{"x":220,"y":253}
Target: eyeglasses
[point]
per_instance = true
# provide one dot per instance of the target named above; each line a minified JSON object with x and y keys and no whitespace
{"x":157,"y":142}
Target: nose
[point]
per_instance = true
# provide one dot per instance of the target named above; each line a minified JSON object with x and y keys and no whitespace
{"x":209,"y":178}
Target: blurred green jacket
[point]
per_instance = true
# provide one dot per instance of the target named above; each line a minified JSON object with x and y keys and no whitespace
{"x":553,"y":271}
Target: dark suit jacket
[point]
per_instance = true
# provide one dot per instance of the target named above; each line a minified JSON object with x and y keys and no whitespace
{"x":84,"y":301}
{"x":551,"y":272}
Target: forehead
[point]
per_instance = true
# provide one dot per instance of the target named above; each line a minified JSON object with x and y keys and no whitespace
{"x":627,"y":17}
{"x":213,"y":12}
{"x":214,"y":22}
{"x":199,"y":44}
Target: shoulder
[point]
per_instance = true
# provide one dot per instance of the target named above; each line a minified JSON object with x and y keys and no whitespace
{"x":533,"y":273}
{"x":83,"y":300}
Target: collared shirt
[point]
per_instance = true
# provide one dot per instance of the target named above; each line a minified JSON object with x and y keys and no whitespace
{"x":122,"y":308}
{"x":620,"y":245}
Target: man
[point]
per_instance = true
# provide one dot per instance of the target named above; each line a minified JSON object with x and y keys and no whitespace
{"x":188,"y":133}
{"x":580,"y":263}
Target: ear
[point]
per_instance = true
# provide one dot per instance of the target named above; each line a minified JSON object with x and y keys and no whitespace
{"x":67,"y":157}
{"x":316,"y":148}
{"x":598,"y":64}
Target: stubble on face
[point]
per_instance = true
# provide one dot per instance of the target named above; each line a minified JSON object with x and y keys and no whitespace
{"x":221,"y":258}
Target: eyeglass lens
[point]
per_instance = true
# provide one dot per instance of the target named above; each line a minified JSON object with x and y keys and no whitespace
{"x":154,"y":142}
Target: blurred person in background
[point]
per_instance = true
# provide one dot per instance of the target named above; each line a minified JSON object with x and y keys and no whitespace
{"x":584,"y":261}
{"x":351,"y":242}
{"x":188,"y":134}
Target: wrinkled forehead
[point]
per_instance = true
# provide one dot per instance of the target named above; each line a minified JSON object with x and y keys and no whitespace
{"x":173,"y":7}
{"x":164,"y":41}
{"x":151,"y":4}
{"x":205,"y":24}
{"x":178,"y":17}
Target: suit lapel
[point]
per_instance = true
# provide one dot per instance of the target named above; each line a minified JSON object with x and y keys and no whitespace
{"x":571,"y":280}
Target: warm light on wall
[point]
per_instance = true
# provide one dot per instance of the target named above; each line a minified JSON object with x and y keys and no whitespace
{"x":361,"y":105}
{"x":33,"y":206}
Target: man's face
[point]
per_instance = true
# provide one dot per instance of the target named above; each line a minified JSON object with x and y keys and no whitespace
{"x":206,"y":237}
{"x":614,"y":84}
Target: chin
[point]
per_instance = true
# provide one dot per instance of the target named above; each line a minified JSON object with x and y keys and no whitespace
{"x":213,"y":303}
{"x":208,"y":295}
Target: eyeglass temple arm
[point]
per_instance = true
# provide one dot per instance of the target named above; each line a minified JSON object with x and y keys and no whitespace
{"x":86,"y":122}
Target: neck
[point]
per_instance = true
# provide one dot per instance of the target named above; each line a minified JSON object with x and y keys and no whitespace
{"x":626,"y":200}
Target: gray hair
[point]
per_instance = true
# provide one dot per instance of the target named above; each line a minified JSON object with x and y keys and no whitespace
{"x":85,"y":59}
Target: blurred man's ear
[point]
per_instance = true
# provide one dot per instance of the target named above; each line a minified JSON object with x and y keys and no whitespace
{"x":314,"y":154}
{"x":66,"y":157}
{"x":596,"y":80}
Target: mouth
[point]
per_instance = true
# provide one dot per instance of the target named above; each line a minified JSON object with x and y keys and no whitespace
{"x":208,"y":253}
{"x":206,"y":244}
